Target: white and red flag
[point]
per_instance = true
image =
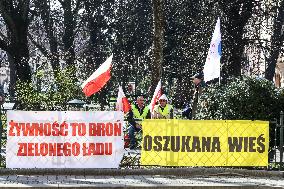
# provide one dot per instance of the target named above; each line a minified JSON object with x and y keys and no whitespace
{"x":122,"y":103}
{"x":156,"y":96}
{"x":98,"y":79}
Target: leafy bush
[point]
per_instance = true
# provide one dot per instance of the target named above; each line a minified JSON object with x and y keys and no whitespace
{"x":57,"y":92}
{"x":241,"y":98}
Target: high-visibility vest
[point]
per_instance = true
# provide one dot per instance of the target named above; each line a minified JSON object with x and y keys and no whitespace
{"x":136,"y":113}
{"x":166,"y":112}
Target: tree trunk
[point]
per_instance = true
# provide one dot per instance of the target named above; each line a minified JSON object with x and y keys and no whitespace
{"x":16,"y":19}
{"x":238,"y":13}
{"x":68,"y":37}
{"x":276,"y":43}
{"x":235,"y":48}
{"x":19,"y":66}
{"x":96,"y":55}
{"x":13,"y":76}
{"x":20,"y":50}
{"x":20,"y":54}
{"x":44,"y":8}
{"x":156,"y":66}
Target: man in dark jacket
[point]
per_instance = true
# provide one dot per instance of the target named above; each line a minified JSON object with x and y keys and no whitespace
{"x":1,"y":102}
{"x":199,"y":84}
{"x":2,"y":98}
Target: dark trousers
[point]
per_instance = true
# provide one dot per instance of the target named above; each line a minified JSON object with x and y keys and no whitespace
{"x":131,"y":131}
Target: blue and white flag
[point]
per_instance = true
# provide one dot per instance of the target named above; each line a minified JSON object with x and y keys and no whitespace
{"x":212,"y":65}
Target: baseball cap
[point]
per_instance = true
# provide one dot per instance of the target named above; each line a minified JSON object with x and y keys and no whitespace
{"x":198,"y":75}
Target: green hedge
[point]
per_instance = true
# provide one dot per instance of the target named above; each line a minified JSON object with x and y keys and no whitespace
{"x":241,"y":98}
{"x":58,"y":92}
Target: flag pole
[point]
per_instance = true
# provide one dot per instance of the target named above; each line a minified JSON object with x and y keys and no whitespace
{"x":220,"y":74}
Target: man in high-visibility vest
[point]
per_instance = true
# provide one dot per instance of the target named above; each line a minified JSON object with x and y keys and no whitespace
{"x":163,"y":110}
{"x":137,"y":113}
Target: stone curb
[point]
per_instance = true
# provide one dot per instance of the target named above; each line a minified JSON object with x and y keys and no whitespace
{"x":192,"y":172}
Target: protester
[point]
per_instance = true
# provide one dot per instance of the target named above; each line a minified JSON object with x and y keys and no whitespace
{"x":163,"y":110}
{"x":2,"y":95}
{"x":137,"y":113}
{"x":2,"y":99}
{"x":199,"y":84}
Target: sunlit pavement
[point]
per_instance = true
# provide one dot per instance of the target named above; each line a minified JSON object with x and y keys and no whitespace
{"x":138,"y":181}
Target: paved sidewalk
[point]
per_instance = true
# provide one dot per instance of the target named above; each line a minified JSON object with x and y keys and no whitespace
{"x":184,"y":171}
{"x":141,"y":181}
{"x":142,"y":178}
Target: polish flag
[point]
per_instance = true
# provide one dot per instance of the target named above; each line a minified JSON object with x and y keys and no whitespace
{"x":98,"y":79}
{"x":156,"y":96}
{"x":122,"y":103}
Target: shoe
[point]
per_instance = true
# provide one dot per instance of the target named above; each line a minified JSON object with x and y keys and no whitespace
{"x":132,"y":147}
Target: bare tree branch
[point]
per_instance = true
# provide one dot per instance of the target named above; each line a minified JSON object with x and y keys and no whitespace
{"x":4,"y":46}
{"x":4,"y":38}
{"x":24,"y":7}
{"x":40,"y":47}
{"x":7,"y":17}
{"x":276,"y":42}
{"x":61,"y":2}
{"x":247,"y":11}
{"x":77,"y":7}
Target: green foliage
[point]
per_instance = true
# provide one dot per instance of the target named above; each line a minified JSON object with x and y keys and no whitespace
{"x":281,"y":98}
{"x":56,"y":95}
{"x":241,"y":98}
{"x":143,"y":86}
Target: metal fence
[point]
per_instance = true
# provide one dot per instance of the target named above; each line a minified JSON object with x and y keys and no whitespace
{"x":3,"y":137}
{"x":131,"y":158}
{"x":276,"y":143}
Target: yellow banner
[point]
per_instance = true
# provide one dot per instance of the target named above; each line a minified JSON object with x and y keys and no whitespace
{"x":205,"y":143}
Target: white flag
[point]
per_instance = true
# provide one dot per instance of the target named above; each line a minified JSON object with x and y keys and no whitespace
{"x":156,"y":96}
{"x":122,"y":103}
{"x":212,"y":65}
